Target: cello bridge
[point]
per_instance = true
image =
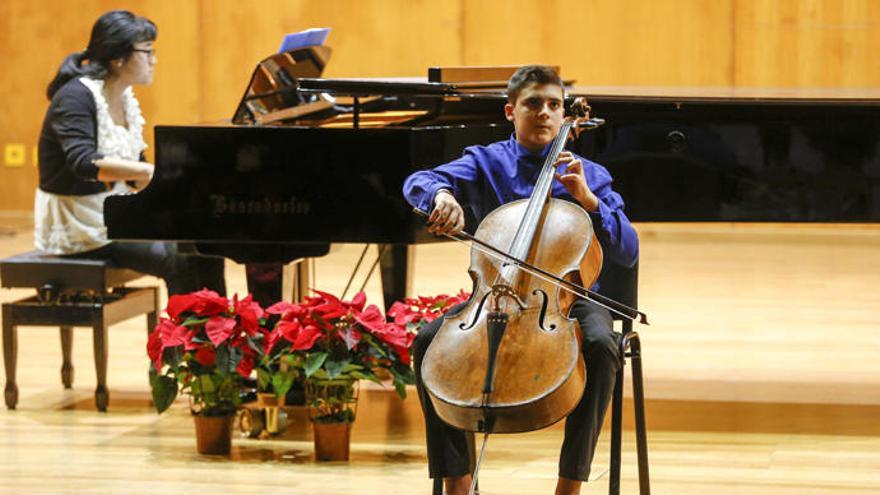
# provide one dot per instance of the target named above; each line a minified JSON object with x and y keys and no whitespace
{"x":500,"y":291}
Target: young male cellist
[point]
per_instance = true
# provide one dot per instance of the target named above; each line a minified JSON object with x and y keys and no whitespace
{"x":486,"y":177}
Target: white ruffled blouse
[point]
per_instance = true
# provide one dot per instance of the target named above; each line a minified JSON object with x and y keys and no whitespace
{"x":74,"y":224}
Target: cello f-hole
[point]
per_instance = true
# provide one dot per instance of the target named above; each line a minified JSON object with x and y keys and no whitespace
{"x":476,"y":314}
{"x":544,"y":302}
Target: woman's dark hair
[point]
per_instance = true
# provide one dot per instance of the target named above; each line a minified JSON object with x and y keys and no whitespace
{"x":113,"y":36}
{"x":539,"y":74}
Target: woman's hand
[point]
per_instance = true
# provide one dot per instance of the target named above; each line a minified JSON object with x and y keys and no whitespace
{"x":111,"y":169}
{"x":447,"y":217}
{"x":574,"y":181}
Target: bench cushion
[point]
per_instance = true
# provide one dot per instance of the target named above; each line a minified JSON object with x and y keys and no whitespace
{"x":36,"y":269}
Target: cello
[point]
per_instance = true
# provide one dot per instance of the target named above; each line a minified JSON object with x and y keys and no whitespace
{"x":510,"y":359}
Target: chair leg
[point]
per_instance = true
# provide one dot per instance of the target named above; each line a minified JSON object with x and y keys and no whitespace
{"x":10,"y":355}
{"x":616,"y":426}
{"x":102,"y":396}
{"x":438,"y":487}
{"x":639,"y":405}
{"x":66,"y":351}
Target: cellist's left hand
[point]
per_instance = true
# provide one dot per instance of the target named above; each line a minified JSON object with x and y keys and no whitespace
{"x":574,"y":181}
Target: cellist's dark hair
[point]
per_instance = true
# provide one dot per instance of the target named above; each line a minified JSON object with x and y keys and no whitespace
{"x":113,"y":36}
{"x":528,"y":74}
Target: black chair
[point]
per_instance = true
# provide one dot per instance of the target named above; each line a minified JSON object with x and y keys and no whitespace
{"x":621,"y":284}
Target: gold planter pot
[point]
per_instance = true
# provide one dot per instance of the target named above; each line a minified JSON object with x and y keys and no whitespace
{"x":276,"y":419}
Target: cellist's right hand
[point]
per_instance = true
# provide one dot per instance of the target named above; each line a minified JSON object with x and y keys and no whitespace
{"x":447,"y":217}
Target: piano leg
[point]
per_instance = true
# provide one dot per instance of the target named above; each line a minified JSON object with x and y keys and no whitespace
{"x":396,"y":274}
{"x":299,"y":279}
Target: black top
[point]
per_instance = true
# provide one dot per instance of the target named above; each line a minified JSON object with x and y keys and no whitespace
{"x":69,"y":143}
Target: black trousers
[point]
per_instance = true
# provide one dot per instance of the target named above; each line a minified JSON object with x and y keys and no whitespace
{"x":447,"y":446}
{"x":182,"y":272}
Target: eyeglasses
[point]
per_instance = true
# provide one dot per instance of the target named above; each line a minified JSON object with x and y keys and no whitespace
{"x":151,"y":52}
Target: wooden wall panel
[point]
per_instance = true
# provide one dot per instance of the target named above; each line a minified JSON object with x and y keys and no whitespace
{"x":807,"y":43}
{"x":208,"y":48}
{"x":370,"y":38}
{"x":662,"y":42}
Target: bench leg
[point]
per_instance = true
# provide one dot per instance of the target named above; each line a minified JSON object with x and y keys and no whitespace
{"x":152,"y":322}
{"x":10,"y":355}
{"x":102,"y":396}
{"x":153,"y":316}
{"x":66,"y":351}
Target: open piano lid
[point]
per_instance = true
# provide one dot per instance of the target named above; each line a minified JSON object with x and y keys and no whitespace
{"x":287,"y":86}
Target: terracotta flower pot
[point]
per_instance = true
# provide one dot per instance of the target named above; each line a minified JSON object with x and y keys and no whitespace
{"x":332,"y":441}
{"x":213,"y":434}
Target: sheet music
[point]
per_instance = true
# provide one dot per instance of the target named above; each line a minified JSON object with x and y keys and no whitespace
{"x":302,"y":39}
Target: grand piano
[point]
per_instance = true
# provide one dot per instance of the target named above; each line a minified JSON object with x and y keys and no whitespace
{"x":307,"y":162}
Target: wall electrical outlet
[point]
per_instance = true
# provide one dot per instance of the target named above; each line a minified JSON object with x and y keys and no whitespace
{"x":14,"y":155}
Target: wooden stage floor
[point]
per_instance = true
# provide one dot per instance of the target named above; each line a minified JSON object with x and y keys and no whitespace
{"x":761,"y":363}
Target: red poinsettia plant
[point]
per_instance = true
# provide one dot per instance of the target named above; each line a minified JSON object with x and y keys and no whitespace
{"x":415,"y":312}
{"x":334,"y":343}
{"x":203,"y":349}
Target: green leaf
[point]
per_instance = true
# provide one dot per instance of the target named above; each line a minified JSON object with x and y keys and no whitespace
{"x":366,"y":376}
{"x":195,"y":387}
{"x":223,"y":358}
{"x":400,"y":387}
{"x":193,"y":321}
{"x":164,"y":390}
{"x":404,"y":373}
{"x":335,"y":368}
{"x":375,"y":345}
{"x":282,"y":382}
{"x":264,"y":379}
{"x":292,"y":360}
{"x":206,"y":384}
{"x":314,"y":361}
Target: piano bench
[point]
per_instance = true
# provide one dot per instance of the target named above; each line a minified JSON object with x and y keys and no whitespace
{"x":70,"y":293}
